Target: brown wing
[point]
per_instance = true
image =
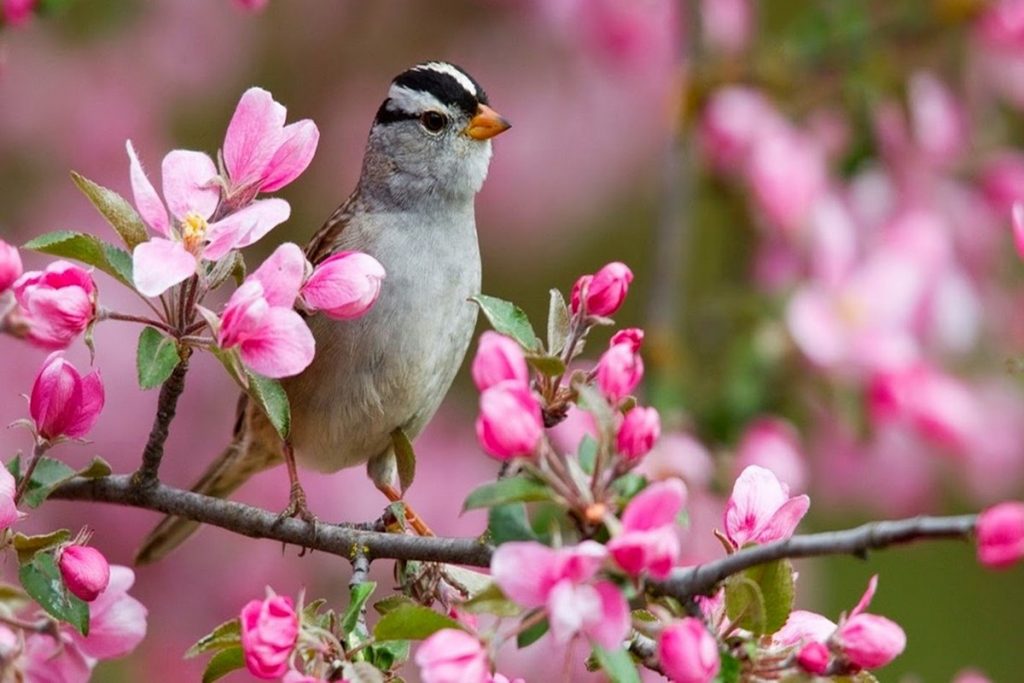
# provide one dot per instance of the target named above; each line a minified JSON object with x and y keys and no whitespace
{"x":325,"y":241}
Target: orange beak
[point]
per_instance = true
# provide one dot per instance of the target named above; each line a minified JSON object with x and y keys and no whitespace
{"x":486,"y":123}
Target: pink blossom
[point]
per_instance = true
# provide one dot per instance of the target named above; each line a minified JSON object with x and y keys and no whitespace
{"x":814,"y":658}
{"x":773,"y":444}
{"x":649,"y":540}
{"x":57,"y":303}
{"x":63,"y":403}
{"x":734,"y":119}
{"x":452,"y":656}
{"x":260,"y":152}
{"x":502,"y":678}
{"x":688,"y":653}
{"x":804,"y":627}
{"x":866,"y":640}
{"x":1000,"y":533}
{"x":270,"y":629}
{"x":17,"y":12}
{"x":117,"y":621}
{"x":192,"y":195}
{"x":619,"y":371}
{"x":345,"y":285}
{"x":788,"y":175}
{"x":1002,"y":180}
{"x":1017,"y":220}
{"x":8,"y":511}
{"x":498,"y":358}
{"x":534,"y":575}
{"x":633,"y":336}
{"x":272,"y":340}
{"x":937,"y":119}
{"x":55,"y":659}
{"x":638,"y":433}
{"x":282,"y":275}
{"x":726,"y":24}
{"x":10,"y":265}
{"x":760,"y":509}
{"x":509,"y":424}
{"x":85,"y":571}
{"x":603,"y":292}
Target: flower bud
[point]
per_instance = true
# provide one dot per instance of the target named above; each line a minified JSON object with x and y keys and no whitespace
{"x":604,"y":291}
{"x":1000,"y":534}
{"x":633,"y":336}
{"x":452,"y":656}
{"x":270,"y":629}
{"x":345,"y":285}
{"x":688,"y":653}
{"x":813,"y":658}
{"x":619,"y":371}
{"x":85,"y":571}
{"x":510,"y":422}
{"x":63,"y":403}
{"x":57,"y":304}
{"x":10,"y":266}
{"x":8,"y":510}
{"x":638,"y":432}
{"x":498,"y":358}
{"x":870,"y":641}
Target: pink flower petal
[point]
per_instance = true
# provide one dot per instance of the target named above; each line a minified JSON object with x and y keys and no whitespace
{"x":90,"y":407}
{"x":281,"y":275}
{"x":865,"y":599}
{"x":655,"y":506}
{"x":159,"y":264}
{"x":756,"y":496}
{"x":253,"y":136}
{"x":117,"y":621}
{"x":147,"y":201}
{"x":804,"y":627}
{"x":523,"y":571}
{"x":293,"y":156}
{"x":245,"y":227}
{"x":611,"y":629}
{"x":283,"y":346}
{"x":187,"y":183}
{"x":785,"y":520}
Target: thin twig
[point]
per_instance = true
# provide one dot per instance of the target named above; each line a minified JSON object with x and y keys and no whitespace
{"x":40,"y":447}
{"x":127,"y":317}
{"x":167,"y":405}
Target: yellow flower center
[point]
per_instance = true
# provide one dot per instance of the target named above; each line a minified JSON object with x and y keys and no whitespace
{"x":193,"y":231}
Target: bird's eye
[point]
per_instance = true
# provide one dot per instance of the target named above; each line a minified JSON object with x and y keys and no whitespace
{"x":433,"y":121}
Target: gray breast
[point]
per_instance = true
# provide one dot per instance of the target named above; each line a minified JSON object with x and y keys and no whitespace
{"x":392,"y":367}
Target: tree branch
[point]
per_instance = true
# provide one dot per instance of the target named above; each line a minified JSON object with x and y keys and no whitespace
{"x":349,"y":542}
{"x":167,"y":406}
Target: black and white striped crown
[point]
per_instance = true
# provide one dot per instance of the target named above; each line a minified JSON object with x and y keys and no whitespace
{"x":445,"y":83}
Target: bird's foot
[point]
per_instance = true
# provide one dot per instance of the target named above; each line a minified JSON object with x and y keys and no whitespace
{"x":298,"y":508}
{"x":413,"y":519}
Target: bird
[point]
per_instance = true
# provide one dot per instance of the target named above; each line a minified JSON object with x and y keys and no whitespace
{"x":413,"y":209}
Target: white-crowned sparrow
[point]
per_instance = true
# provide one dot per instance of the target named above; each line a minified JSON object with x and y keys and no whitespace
{"x":427,"y":156}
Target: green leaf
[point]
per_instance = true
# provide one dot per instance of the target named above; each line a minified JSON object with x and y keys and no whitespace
{"x":389,"y":654}
{"x":97,"y":468}
{"x":533,"y":634}
{"x":509,"y":523}
{"x":405,"y":458}
{"x":509,"y":319}
{"x":392,"y":602}
{"x":121,"y":215}
{"x":361,"y":672}
{"x":28,"y":546}
{"x":729,"y":671}
{"x":269,"y":395}
{"x":550,"y":366}
{"x":558,"y":323}
{"x":223,"y":663}
{"x":775,"y":580}
{"x":357,"y":597}
{"x":224,"y":636}
{"x":744,"y":604}
{"x":156,"y":358}
{"x":587,"y":453}
{"x":48,"y":475}
{"x":508,"y":490}
{"x":42,"y":581}
{"x":617,"y":664}
{"x":491,"y":601}
{"x":593,"y":401}
{"x":234,"y":266}
{"x":87,"y":249}
{"x":412,"y":622}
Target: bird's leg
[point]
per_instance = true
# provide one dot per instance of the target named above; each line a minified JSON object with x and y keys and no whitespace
{"x":297,"y":505}
{"x":414,"y":520}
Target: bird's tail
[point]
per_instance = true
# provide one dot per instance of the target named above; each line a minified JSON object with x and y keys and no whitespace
{"x":255,"y":448}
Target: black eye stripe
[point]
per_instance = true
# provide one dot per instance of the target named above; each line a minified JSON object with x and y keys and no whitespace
{"x":387,"y":115}
{"x":445,"y":87}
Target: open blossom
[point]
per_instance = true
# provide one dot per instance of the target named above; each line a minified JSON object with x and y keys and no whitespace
{"x":638,"y":432}
{"x":344,"y":286}
{"x":510,"y":423}
{"x":760,"y":509}
{"x":603,"y":292}
{"x":55,"y":659}
{"x":63,"y":403}
{"x":1000,"y":534}
{"x":619,"y":371}
{"x":10,"y":265}
{"x":57,"y":303}
{"x":534,"y":575}
{"x":498,"y":358}
{"x":270,"y":629}
{"x":85,"y":571}
{"x":867,"y":640}
{"x":260,"y":152}
{"x":117,"y":621}
{"x":649,"y":540}
{"x":688,"y":653}
{"x":452,"y":656}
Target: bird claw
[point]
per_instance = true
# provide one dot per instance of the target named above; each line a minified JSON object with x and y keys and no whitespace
{"x":298,"y":508}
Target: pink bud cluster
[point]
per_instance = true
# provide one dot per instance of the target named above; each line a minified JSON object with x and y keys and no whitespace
{"x":510,"y":423}
{"x":270,"y":629}
{"x":55,"y":305}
